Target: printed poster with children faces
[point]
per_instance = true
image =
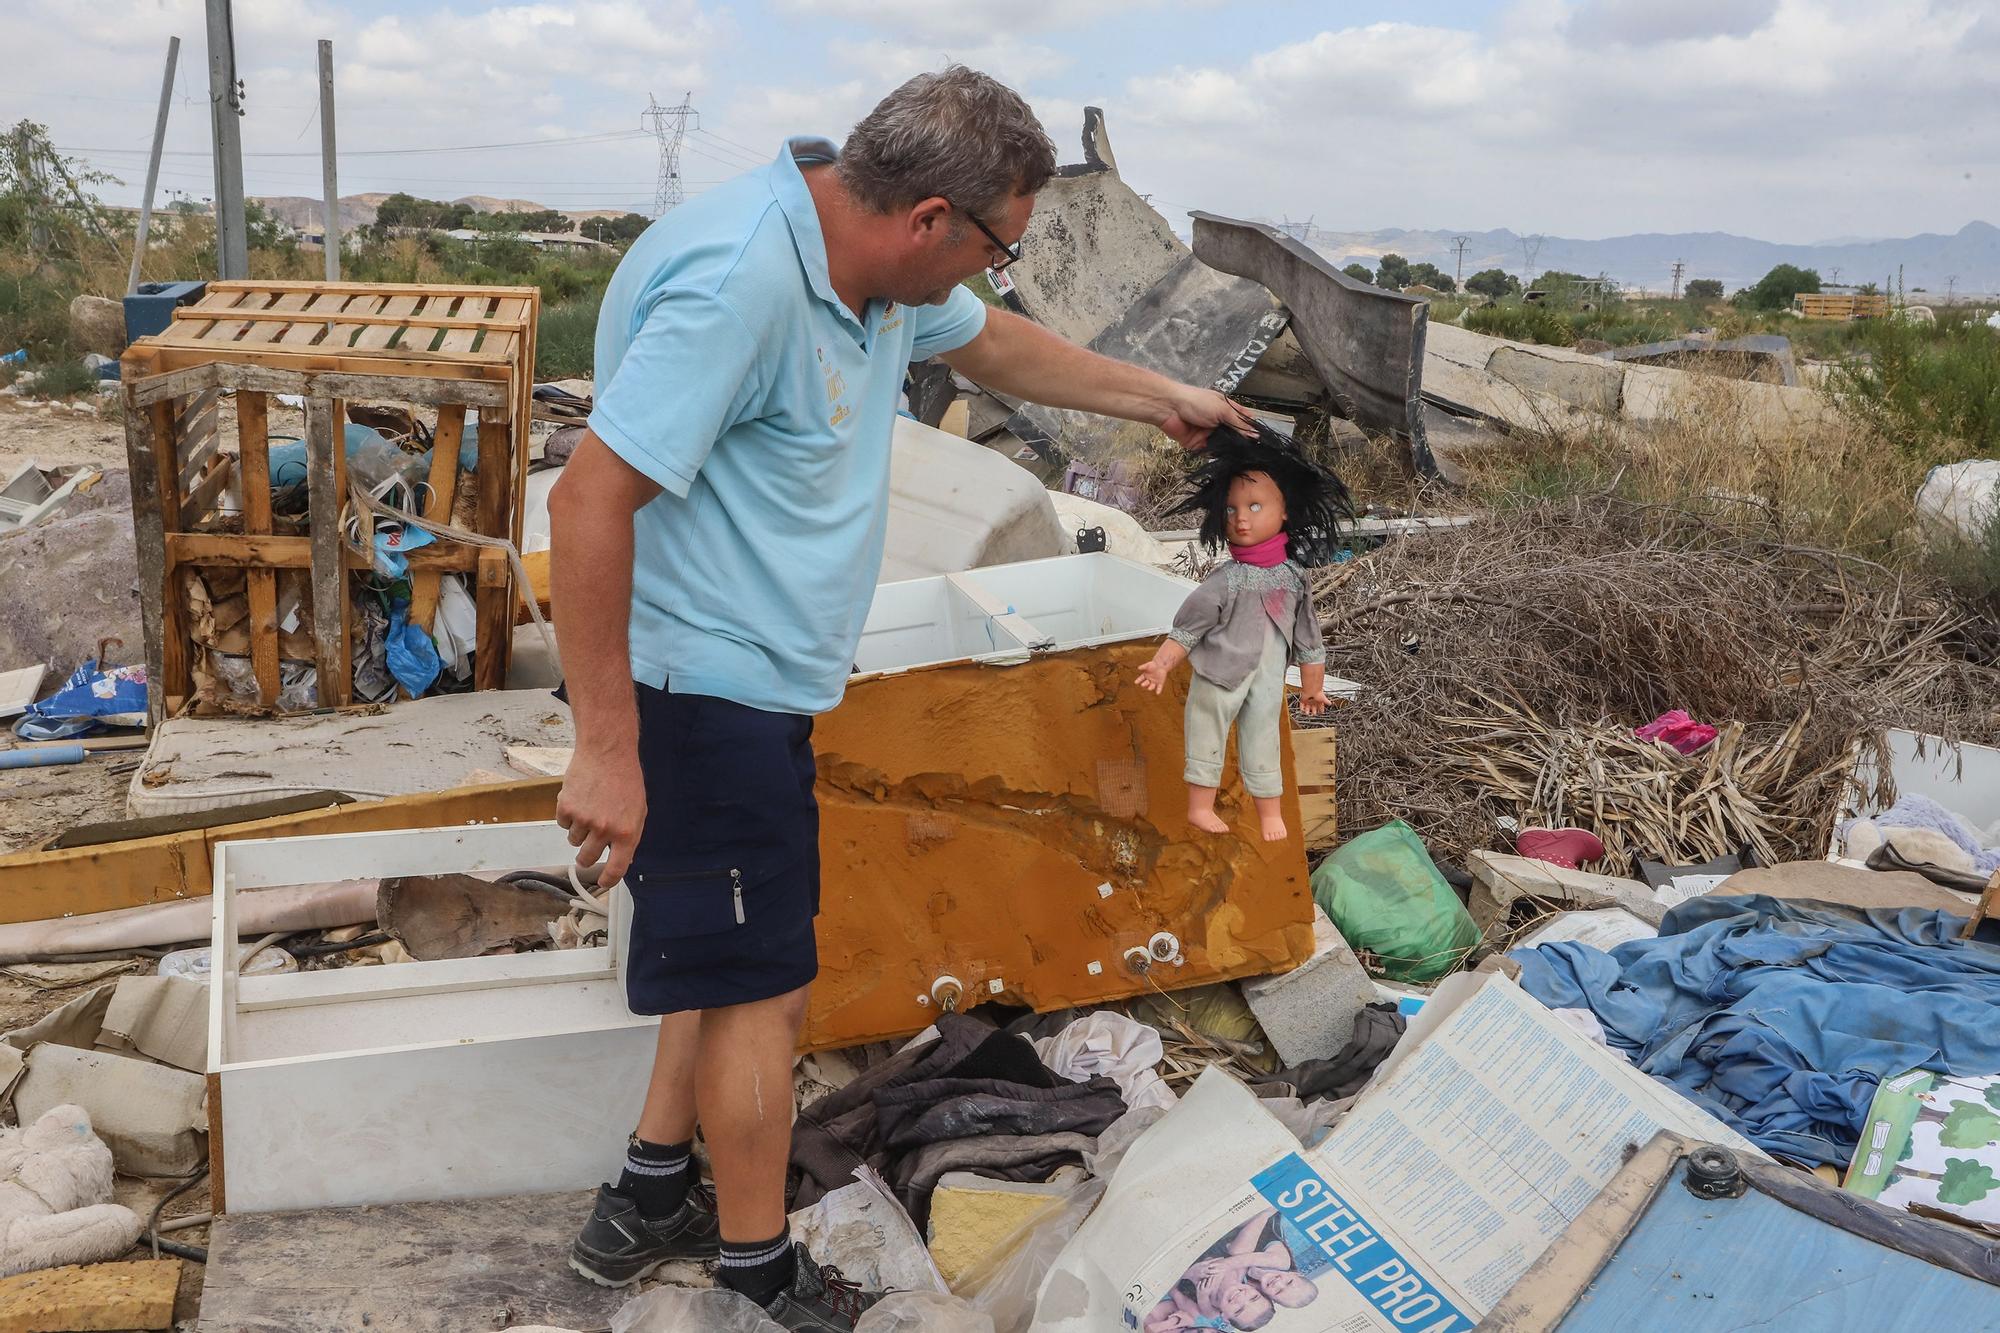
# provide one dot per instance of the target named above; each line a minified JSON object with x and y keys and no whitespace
{"x":1289,"y":1256}
{"x":1933,"y":1140}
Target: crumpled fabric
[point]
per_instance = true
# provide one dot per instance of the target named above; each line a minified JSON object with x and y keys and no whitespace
{"x":1376,"y":1030}
{"x":1676,"y":729}
{"x":972,"y":1098}
{"x":1780,"y":1016}
{"x":1110,"y":1045}
{"x":1921,"y":812}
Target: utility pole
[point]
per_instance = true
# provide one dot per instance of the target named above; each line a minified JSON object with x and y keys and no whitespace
{"x":1458,"y":244}
{"x":330,"y":215}
{"x":1950,"y":284}
{"x":1680,"y":267}
{"x":153,"y":164}
{"x":225,"y":104}
{"x":669,"y":125}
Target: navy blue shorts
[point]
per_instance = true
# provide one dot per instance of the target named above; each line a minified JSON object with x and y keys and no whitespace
{"x":725,"y":881}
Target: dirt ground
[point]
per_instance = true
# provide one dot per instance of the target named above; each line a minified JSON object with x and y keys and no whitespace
{"x":59,"y":433}
{"x":36,"y":803}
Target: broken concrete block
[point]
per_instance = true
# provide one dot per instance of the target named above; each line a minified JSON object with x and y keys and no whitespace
{"x":137,"y":1294}
{"x":971,"y":1216}
{"x":154,"y":1119}
{"x":1308,"y":1013}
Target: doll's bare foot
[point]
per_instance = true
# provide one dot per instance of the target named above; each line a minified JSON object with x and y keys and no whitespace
{"x":1271,"y":817}
{"x":1201,"y":811}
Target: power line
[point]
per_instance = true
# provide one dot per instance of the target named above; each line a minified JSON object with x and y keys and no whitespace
{"x":730,"y":150}
{"x":669,"y":125}
{"x":609,"y":137}
{"x":759,"y":155}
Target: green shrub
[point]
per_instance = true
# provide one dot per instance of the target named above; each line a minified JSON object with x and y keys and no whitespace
{"x":566,"y":345}
{"x":1932,"y":391}
{"x":1523,"y":323}
{"x":63,"y":379}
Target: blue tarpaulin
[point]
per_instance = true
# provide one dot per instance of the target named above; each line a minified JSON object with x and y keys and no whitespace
{"x":1781,"y":1016}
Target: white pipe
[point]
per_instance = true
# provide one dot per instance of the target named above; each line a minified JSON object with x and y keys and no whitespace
{"x":348,"y":902}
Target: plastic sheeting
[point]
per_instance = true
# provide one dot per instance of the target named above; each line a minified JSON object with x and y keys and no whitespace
{"x":1781,"y":1016}
{"x":1110,"y":1045}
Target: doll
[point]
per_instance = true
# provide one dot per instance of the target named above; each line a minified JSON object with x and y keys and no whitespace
{"x":1279,"y":514}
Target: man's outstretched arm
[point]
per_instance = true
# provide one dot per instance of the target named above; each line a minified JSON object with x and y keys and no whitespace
{"x":603,"y":800}
{"x":1020,"y":358}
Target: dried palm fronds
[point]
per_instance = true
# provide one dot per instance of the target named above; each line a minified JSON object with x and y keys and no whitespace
{"x":1504,"y":664}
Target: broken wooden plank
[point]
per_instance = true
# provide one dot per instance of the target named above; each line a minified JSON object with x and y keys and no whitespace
{"x":329,"y":569}
{"x":36,"y":885}
{"x":89,"y":1297}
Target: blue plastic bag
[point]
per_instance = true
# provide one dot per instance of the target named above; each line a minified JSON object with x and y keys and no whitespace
{"x":391,"y":541}
{"x":413,"y":657}
{"x":88,"y":701}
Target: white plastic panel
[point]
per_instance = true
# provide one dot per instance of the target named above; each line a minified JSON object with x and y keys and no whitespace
{"x":921,"y":621}
{"x":1079,"y":600}
{"x":1964,"y":779}
{"x":998,"y":612}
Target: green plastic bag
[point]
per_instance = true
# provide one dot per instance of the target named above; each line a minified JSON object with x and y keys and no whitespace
{"x":1387,"y":898}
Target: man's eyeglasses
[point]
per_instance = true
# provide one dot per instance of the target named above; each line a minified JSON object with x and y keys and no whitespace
{"x":1012,"y":252}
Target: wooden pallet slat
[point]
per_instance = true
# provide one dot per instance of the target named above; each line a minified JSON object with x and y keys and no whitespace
{"x":379,"y":335}
{"x":448,"y":349}
{"x":253,"y":450}
{"x":437,"y":505}
{"x":267,"y":330}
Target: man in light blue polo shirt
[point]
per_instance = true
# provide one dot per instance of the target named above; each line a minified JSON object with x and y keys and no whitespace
{"x":717,"y":538}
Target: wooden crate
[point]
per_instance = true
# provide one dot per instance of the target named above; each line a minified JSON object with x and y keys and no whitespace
{"x":433,"y":348}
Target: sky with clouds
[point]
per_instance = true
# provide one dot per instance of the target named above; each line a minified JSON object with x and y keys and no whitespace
{"x":1788,"y":120}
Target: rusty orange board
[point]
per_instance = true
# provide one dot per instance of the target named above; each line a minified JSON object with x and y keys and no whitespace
{"x":1022,"y":827}
{"x":1017,"y":827}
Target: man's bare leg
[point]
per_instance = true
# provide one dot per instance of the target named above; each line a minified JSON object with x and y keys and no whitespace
{"x":743,"y":1089}
{"x":669,"y":1114}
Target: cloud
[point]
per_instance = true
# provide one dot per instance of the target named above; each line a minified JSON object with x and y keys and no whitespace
{"x":1792,"y":126}
{"x":1648,"y":22}
{"x":469,"y":72}
{"x":959,"y":20}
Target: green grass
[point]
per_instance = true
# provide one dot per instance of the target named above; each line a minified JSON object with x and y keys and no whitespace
{"x":566,"y":345}
{"x":1536,"y":323}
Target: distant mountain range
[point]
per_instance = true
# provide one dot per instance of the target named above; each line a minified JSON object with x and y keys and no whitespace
{"x":1646,"y":260}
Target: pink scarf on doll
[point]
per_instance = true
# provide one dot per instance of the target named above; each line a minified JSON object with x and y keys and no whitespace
{"x":1269,"y":552}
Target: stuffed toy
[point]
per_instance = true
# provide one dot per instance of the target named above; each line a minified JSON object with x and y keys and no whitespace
{"x":1279,"y":513}
{"x":55,"y":1191}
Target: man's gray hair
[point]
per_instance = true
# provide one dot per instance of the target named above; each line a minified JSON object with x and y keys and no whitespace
{"x":956,"y":133}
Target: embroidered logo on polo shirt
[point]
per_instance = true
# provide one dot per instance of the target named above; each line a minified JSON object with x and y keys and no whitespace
{"x":836,"y":385}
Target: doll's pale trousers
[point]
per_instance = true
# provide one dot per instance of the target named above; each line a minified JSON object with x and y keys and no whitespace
{"x":1254,"y":708}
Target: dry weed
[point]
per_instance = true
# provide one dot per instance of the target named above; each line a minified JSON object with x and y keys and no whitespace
{"x":1602,"y":610}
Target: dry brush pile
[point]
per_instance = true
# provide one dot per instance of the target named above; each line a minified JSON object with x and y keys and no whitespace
{"x":1505,"y":664}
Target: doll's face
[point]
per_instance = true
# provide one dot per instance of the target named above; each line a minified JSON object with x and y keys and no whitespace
{"x":1254,"y":509}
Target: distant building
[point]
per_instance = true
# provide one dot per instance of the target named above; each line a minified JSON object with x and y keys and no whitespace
{"x":540,"y":240}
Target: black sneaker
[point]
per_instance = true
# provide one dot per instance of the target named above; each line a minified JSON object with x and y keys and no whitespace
{"x":619,"y":1246}
{"x":820,"y":1299}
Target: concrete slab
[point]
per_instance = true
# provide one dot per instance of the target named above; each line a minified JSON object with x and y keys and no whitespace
{"x":398,"y":749}
{"x":1308,"y":1013}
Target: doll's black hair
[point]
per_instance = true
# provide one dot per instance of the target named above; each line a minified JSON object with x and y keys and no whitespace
{"x":1316,"y":500}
